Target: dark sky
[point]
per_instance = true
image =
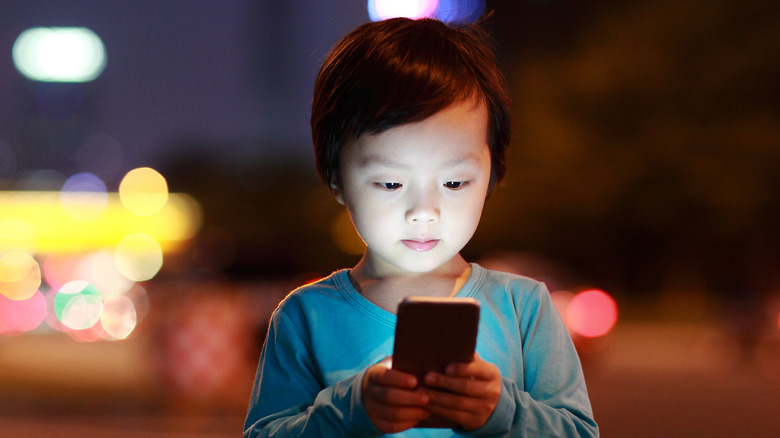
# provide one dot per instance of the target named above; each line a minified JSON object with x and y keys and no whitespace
{"x":230,"y":73}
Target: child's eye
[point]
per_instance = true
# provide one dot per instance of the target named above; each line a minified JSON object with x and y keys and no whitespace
{"x":389,"y":185}
{"x":455,"y":185}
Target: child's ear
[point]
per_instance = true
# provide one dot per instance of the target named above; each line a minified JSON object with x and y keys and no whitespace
{"x":335,"y":189}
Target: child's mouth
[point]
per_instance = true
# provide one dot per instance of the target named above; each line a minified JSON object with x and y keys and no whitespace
{"x":417,"y":245}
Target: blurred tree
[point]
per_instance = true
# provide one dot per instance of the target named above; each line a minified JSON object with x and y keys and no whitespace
{"x":647,"y":145}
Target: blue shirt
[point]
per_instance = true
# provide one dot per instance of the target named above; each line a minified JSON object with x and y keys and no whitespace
{"x":323,"y":336}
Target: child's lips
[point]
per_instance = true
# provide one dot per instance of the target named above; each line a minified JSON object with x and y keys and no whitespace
{"x":421,"y":245}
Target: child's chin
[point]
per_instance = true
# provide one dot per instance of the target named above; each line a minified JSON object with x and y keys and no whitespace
{"x":425,"y":268}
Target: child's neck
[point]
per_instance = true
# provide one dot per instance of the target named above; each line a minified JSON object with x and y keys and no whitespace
{"x":386,"y":291}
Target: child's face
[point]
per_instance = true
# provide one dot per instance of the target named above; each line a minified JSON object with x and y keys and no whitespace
{"x":415,"y":192}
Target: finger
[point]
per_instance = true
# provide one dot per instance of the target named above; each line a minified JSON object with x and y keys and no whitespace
{"x":452,"y":400}
{"x":477,"y":369}
{"x":390,"y":377}
{"x":466,"y":419}
{"x":461,"y":385}
{"x":397,"y":397}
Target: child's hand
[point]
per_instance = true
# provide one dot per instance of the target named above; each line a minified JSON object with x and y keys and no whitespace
{"x":475,"y":388}
{"x":391,"y":400}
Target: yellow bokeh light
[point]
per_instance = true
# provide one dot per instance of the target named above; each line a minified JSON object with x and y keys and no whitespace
{"x":20,"y":275}
{"x":143,"y":191}
{"x":17,"y":234}
{"x":138,"y":257}
{"x":84,"y":206}
{"x":35,"y":222}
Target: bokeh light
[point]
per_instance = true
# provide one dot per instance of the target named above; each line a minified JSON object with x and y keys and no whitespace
{"x":138,"y":257}
{"x":20,"y":275}
{"x":448,"y":11}
{"x":591,"y":313}
{"x":119,"y":317}
{"x":18,"y":316}
{"x":84,"y":196}
{"x":59,"y":269}
{"x":17,"y":235}
{"x":462,"y":11}
{"x":78,"y":305}
{"x":143,"y":191}
{"x":384,"y":9}
{"x":51,"y":318}
{"x":103,"y":273}
{"x":140,"y":299}
{"x":59,"y":54}
{"x":35,"y":222}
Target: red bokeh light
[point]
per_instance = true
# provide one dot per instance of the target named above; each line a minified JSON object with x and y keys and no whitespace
{"x":591,"y":313}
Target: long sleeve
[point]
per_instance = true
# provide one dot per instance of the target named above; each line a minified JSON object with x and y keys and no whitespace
{"x":519,"y":415}
{"x":547,"y":396}
{"x":554,"y":400}
{"x":288,"y":398}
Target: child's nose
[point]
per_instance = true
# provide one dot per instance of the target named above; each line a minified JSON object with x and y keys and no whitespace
{"x":424,"y":208}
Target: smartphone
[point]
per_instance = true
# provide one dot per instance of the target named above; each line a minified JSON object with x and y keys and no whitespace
{"x":431,"y":333}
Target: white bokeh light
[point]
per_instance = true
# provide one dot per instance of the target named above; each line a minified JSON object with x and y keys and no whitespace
{"x":384,"y":9}
{"x":59,"y":54}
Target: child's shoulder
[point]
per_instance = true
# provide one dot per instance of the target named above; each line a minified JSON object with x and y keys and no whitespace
{"x":510,"y":281}
{"x":505,"y":290}
{"x":314,"y":292}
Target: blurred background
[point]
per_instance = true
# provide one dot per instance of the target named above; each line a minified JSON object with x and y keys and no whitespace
{"x":158,"y":198}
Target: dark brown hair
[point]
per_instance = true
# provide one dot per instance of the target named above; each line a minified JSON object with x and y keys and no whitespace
{"x":398,"y":71}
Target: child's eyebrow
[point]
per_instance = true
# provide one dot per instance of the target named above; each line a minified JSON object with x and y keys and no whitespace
{"x":378,"y":161}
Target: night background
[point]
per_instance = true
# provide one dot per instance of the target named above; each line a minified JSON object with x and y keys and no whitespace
{"x":644,"y":162}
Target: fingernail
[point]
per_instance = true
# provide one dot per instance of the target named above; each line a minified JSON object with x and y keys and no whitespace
{"x":430,"y":379}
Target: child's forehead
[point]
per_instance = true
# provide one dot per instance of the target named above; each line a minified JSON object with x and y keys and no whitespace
{"x":391,"y":160}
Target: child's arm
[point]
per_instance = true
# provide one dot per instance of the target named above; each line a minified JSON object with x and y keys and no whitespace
{"x":289,"y":398}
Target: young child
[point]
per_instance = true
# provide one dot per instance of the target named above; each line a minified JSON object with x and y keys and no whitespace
{"x":410,"y":126}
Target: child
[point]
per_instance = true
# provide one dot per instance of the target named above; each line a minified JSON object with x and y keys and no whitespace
{"x":410,"y":126}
